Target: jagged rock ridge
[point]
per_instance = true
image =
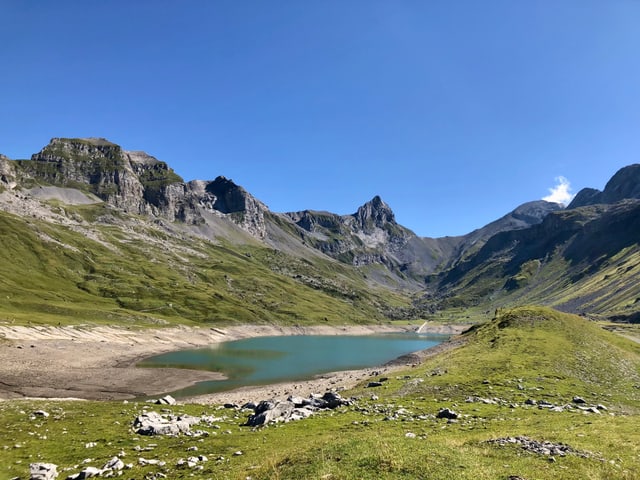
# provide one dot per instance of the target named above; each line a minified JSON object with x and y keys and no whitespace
{"x":138,"y":183}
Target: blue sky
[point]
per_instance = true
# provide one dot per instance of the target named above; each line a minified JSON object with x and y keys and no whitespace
{"x":454,"y":112}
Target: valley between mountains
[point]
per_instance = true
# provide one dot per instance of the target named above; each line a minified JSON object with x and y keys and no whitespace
{"x":108,"y":256}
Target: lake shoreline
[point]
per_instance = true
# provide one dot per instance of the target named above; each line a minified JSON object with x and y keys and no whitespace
{"x":99,"y":363}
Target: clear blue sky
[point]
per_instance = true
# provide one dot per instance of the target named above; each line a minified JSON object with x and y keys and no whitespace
{"x":454,"y":112}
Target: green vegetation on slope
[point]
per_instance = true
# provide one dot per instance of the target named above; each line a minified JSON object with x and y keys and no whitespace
{"x":143,"y":274}
{"x":584,"y":260}
{"x":523,"y":354}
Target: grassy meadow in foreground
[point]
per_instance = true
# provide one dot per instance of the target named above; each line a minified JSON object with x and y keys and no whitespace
{"x":492,"y":380}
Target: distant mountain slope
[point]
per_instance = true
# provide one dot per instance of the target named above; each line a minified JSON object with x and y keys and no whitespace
{"x":580,"y":259}
{"x":524,"y":216}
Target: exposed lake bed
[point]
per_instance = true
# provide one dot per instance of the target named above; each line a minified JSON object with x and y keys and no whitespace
{"x":99,"y":362}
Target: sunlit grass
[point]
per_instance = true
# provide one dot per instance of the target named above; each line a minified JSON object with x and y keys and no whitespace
{"x":525,"y":353}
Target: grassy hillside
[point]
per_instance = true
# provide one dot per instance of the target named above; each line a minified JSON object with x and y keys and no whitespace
{"x":136,"y":272}
{"x":490,"y":379}
{"x":585,"y":260}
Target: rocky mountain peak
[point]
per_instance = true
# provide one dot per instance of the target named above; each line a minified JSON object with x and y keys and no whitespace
{"x":374,"y":213}
{"x":232,"y":199}
{"x":625,"y":184}
{"x":534,"y":212}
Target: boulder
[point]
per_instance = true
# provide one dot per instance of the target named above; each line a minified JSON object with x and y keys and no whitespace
{"x":279,"y":412}
{"x":298,"y":401}
{"x":43,"y":471}
{"x":114,"y":464}
{"x":334,"y":400}
{"x":153,"y":423}
{"x":89,"y":472}
{"x":166,"y":400}
{"x":447,"y":413}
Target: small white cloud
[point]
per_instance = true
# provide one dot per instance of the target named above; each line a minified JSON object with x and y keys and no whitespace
{"x":561,"y":192}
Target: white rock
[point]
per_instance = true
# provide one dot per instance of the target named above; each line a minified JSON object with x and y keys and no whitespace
{"x":114,"y":464}
{"x":43,"y":471}
{"x":89,"y":472}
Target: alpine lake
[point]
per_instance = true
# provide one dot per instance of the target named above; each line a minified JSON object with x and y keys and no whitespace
{"x":269,"y":360}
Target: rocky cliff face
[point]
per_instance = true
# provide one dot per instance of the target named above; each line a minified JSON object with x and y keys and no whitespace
{"x":138,"y":183}
{"x":625,"y":184}
{"x":362,"y":235}
{"x":369,"y":236}
{"x":7,"y":172}
{"x":234,"y":201}
{"x":94,"y":164}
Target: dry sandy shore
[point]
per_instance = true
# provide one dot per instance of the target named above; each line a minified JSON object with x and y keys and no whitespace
{"x":99,"y":362}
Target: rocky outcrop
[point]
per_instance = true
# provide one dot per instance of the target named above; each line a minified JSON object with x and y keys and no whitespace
{"x":139,"y":183}
{"x":371,"y":235}
{"x":153,"y":423}
{"x":294,"y":408}
{"x":93,"y":164}
{"x":7,"y":172}
{"x":43,"y":471}
{"x":236,"y":202}
{"x":373,"y":215}
{"x":625,"y":184}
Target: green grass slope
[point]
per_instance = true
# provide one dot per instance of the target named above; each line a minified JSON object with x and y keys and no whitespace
{"x":135,"y":272}
{"x":490,"y":378}
{"x":584,"y":260}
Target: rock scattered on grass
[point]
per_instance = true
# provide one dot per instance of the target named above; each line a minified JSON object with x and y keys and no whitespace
{"x":166,"y":400}
{"x":43,"y":471}
{"x":294,"y":408}
{"x":549,"y":449}
{"x":153,"y":423}
{"x":447,"y":413}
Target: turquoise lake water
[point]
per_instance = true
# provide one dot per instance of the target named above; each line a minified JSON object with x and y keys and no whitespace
{"x":265,"y":360}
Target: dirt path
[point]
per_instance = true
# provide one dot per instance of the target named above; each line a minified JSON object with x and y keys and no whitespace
{"x":99,"y":362}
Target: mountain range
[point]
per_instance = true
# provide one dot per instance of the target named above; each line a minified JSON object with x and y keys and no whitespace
{"x":92,"y":231}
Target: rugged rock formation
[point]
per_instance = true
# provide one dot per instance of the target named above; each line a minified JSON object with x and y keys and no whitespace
{"x":235,"y":201}
{"x":7,"y":172}
{"x":294,"y":408}
{"x":92,"y":164}
{"x":152,"y":423}
{"x":138,"y":183}
{"x":625,"y":184}
{"x":369,"y":236}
